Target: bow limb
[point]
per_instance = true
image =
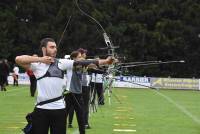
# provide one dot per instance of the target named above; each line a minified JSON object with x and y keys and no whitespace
{"x":63,"y":33}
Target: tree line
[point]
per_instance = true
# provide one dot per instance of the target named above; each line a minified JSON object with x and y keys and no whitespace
{"x":143,"y":29}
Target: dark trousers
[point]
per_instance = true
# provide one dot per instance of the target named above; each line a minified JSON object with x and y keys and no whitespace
{"x":100,"y":93}
{"x":93,"y":92}
{"x":71,"y":115}
{"x":33,"y":84}
{"x":76,"y":100}
{"x":86,"y":99}
{"x":16,"y":81}
{"x":55,"y":120}
{"x":7,"y":80}
{"x":97,"y":88}
{"x":3,"y":82}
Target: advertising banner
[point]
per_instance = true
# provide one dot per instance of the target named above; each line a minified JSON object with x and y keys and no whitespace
{"x":23,"y":79}
{"x":175,"y":83}
{"x":136,"y":82}
{"x":131,"y":81}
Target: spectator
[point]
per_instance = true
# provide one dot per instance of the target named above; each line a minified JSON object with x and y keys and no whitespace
{"x":15,"y":75}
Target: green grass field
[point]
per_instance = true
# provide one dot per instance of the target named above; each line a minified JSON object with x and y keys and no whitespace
{"x":141,"y":111}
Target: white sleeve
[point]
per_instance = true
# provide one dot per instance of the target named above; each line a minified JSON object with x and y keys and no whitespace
{"x":33,"y":66}
{"x":65,"y":64}
{"x":93,"y":77}
{"x":88,"y":79}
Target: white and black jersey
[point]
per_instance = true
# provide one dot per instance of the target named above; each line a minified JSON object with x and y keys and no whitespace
{"x":97,"y":78}
{"x":50,"y":82}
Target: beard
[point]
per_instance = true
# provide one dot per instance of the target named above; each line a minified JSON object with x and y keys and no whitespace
{"x":51,"y":54}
